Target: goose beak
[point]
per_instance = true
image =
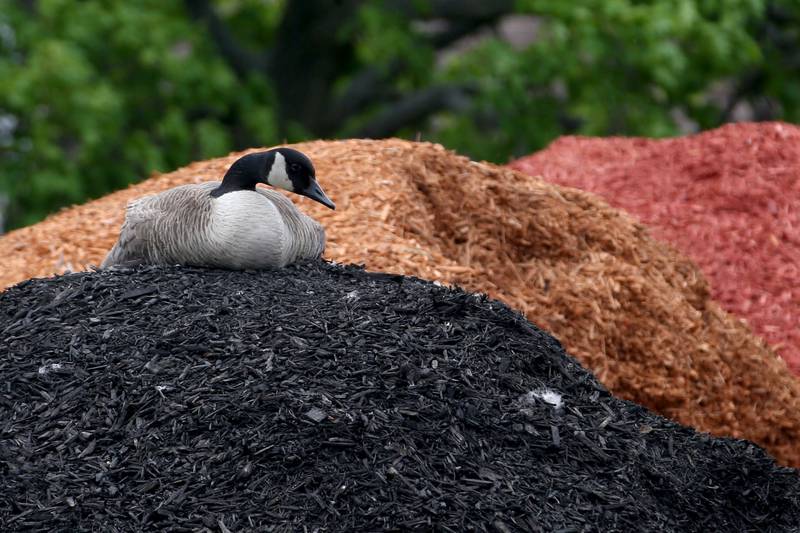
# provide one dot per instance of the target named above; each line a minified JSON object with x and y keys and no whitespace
{"x":314,"y":191}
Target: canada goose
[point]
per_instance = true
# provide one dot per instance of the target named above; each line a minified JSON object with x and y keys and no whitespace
{"x":231,"y":224}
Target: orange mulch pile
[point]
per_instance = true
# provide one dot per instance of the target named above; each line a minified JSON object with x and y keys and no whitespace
{"x":728,"y":198}
{"x":628,"y":307}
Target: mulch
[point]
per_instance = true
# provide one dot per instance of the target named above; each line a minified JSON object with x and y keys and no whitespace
{"x":728,"y":198}
{"x":627,"y":306}
{"x":322,"y":397}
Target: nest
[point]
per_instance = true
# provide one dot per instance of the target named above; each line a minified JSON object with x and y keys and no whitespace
{"x":324,"y":398}
{"x":630,"y":308}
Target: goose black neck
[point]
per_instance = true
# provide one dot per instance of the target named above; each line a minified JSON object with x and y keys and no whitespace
{"x":244,"y":174}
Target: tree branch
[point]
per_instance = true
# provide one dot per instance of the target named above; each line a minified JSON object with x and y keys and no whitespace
{"x":373,"y":83}
{"x":452,"y":9}
{"x":748,"y":85}
{"x":413,"y":108}
{"x":242,"y":61}
{"x":369,"y":85}
{"x":28,"y":5}
{"x":458,"y":29}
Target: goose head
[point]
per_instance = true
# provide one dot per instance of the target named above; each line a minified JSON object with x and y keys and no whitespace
{"x":283,"y":168}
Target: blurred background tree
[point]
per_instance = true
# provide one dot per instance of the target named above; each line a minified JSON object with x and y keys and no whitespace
{"x":100,"y":93}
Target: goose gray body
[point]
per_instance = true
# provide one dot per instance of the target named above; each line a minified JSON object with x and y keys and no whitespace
{"x":207,"y":225}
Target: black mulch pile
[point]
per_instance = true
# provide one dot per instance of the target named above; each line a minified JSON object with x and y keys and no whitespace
{"x":325,"y":397}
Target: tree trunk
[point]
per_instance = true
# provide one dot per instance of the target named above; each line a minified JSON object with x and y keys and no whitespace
{"x":306,"y":60}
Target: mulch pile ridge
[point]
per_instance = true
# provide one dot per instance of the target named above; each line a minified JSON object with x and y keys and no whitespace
{"x":629,"y":308}
{"x":728,"y":198}
{"x":322,"y":397}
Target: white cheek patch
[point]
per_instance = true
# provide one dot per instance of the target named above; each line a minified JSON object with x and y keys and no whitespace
{"x":277,"y":174}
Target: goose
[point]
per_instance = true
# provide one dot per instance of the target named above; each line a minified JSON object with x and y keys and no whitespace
{"x":229,"y":224}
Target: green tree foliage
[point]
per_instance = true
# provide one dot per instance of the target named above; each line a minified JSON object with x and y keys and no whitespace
{"x":99,"y":93}
{"x":605,"y":67}
{"x":102,"y":93}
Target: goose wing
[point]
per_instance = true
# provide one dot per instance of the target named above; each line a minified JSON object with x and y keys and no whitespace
{"x":131,"y":246}
{"x":158,"y":228}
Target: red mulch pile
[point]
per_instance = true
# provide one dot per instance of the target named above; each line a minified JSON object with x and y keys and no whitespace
{"x":728,"y":198}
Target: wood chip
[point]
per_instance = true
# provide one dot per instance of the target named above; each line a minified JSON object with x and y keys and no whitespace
{"x":351,"y":430}
{"x":630,"y":308}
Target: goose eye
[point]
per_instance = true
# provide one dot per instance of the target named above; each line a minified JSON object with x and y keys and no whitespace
{"x":294,"y":167}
